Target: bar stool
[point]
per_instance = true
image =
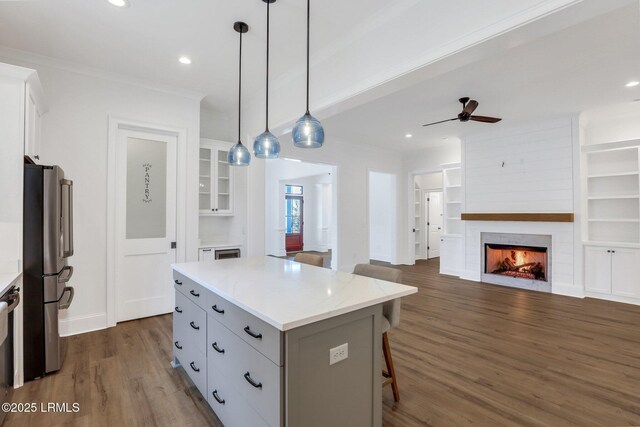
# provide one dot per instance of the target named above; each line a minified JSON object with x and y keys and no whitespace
{"x":310,"y":259}
{"x":390,"y":318}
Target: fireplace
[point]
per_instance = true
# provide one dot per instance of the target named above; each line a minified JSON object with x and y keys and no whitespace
{"x":524,"y":262}
{"x":517,"y":260}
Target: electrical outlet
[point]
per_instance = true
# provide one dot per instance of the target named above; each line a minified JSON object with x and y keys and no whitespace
{"x":339,"y":353}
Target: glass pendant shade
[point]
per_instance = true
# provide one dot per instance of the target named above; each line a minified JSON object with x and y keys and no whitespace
{"x":239,"y":155}
{"x":308,"y":132}
{"x":266,"y":146}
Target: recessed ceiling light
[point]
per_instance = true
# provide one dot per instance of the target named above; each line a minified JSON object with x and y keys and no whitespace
{"x":120,"y":3}
{"x":185,"y":60}
{"x":408,"y":135}
{"x":633,"y":83}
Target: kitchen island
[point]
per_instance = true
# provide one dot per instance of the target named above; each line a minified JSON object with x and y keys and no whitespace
{"x":272,"y":342}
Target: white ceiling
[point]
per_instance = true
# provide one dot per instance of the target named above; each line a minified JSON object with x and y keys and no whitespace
{"x":145,"y":40}
{"x":580,"y":68}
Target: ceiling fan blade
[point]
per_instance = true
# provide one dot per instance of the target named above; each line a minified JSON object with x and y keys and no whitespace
{"x":484,"y":119}
{"x":441,"y":121}
{"x":470,"y":107}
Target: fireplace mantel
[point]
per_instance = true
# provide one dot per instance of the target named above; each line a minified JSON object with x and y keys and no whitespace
{"x":526,"y":217}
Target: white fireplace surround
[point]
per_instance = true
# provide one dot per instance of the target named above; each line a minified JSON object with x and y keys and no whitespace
{"x":536,"y":240}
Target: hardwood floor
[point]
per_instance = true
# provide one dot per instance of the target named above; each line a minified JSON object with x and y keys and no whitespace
{"x":465,"y":354}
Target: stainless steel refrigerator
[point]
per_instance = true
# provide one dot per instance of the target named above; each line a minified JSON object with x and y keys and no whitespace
{"x":48,"y":245}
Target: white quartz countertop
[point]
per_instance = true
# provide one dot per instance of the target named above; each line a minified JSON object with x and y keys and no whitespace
{"x":6,"y":280}
{"x":287,"y":294}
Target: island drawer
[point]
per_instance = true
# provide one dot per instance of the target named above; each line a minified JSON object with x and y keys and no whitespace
{"x":179,"y":337}
{"x":196,"y":327}
{"x":229,"y":405}
{"x":253,"y":375}
{"x":191,"y":289}
{"x":195,"y":365}
{"x":257,"y":333}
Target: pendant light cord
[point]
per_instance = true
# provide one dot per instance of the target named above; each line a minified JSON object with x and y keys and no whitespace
{"x":240,"y":89}
{"x":267,"y":98}
{"x":308,"y":44}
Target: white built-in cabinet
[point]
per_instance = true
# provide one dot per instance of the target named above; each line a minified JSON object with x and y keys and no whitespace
{"x":612,"y":220}
{"x":451,"y":251}
{"x":612,"y":271}
{"x":216,"y":179}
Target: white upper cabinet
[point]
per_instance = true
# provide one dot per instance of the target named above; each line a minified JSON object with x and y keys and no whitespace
{"x":32,"y":120}
{"x":216,"y":178}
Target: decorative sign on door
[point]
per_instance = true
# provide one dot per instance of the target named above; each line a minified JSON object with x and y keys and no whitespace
{"x":146,"y":189}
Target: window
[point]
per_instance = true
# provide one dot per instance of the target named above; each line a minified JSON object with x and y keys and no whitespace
{"x":293,"y":189}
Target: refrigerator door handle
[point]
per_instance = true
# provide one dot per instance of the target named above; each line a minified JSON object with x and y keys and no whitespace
{"x":68,"y":276}
{"x":71,"y":292}
{"x":68,"y":220}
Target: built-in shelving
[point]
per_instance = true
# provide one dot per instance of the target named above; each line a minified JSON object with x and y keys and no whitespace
{"x":613,"y":194}
{"x":419,"y":238}
{"x":452,"y":185}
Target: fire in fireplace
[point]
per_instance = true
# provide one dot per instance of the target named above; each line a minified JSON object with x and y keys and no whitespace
{"x":524,"y":262}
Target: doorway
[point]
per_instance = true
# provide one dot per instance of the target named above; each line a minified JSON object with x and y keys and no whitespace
{"x":294,"y":218}
{"x":428,"y":219}
{"x":142,"y":220}
{"x":382,"y":217}
{"x":301,"y":209}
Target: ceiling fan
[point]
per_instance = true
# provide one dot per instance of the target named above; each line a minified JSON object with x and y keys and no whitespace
{"x":468,"y":107}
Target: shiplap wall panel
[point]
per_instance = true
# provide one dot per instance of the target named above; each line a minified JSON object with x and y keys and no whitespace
{"x":537,"y":175}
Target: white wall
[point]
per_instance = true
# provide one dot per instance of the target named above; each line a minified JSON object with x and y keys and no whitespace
{"x":611,"y":124}
{"x":539,"y":175}
{"x":430,"y":181}
{"x":382,"y":216}
{"x":317,"y":180}
{"x":75,"y":137}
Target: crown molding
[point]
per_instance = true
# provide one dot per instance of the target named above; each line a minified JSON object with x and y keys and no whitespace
{"x":32,"y":60}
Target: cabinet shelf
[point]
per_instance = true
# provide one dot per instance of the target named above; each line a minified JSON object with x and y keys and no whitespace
{"x":613,"y":197}
{"x":614,"y":174}
{"x":613,"y":220}
{"x":216,"y":179}
{"x":205,"y":160}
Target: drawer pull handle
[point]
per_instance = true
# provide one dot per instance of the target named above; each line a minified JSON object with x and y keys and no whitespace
{"x":178,"y":282}
{"x":193,"y":325}
{"x":193,"y":366}
{"x":216,"y":348}
{"x":193,"y":293}
{"x":253,"y":334}
{"x":178,"y":346}
{"x":216,"y":309}
{"x":247,"y":376}
{"x":217,"y":398}
{"x":178,"y":310}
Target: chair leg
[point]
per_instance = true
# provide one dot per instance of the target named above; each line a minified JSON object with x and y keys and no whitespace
{"x":386,"y":349}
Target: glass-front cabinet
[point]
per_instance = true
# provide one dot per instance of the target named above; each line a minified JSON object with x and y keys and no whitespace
{"x":216,"y":178}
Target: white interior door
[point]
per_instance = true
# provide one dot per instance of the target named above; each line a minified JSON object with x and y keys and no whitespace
{"x":434,"y":203}
{"x":145,"y":223}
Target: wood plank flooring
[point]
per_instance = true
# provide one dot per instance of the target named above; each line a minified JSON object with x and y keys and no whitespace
{"x":465,"y":354}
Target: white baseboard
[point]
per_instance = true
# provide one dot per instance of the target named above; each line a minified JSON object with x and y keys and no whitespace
{"x":82,"y":324}
{"x":567,"y":290}
{"x":474,"y":276}
{"x":450,"y":273}
{"x":614,"y":298}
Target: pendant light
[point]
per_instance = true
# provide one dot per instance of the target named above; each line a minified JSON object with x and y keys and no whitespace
{"x":308,"y":132}
{"x":238,"y":154}
{"x":266,"y":145}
